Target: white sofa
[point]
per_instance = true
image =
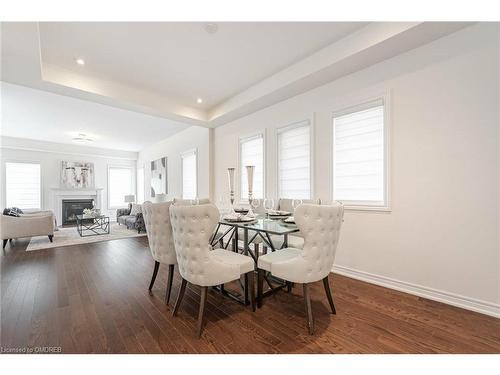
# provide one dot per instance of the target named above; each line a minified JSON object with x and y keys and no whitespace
{"x":27,"y":225}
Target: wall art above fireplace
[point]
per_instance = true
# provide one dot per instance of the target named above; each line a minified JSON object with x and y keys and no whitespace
{"x":77,"y":175}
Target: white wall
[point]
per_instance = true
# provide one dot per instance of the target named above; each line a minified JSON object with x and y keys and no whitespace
{"x":192,"y":138}
{"x":441,"y":237}
{"x":50,"y":155}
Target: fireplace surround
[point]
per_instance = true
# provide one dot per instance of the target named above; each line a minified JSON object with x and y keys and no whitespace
{"x":60,"y":194}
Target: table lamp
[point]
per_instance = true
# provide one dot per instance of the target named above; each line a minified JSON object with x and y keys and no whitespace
{"x":129,"y":199}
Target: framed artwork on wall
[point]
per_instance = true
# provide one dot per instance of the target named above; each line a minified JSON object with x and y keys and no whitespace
{"x":159,"y":181}
{"x":77,"y":175}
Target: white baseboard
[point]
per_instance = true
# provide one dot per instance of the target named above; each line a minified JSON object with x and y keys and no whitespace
{"x":483,"y":307}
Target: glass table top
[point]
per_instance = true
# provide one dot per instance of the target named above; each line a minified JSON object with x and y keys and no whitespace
{"x":83,"y":217}
{"x":264,"y":224}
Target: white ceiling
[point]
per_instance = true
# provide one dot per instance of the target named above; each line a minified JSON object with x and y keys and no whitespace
{"x":182,"y":61}
{"x":140,"y":81}
{"x":41,"y":115}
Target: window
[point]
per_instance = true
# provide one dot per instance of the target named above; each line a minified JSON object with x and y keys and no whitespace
{"x":294,"y":161}
{"x":120,"y":183}
{"x":23,"y":185}
{"x":140,"y":185}
{"x":359,"y":158}
{"x":189,"y":175}
{"x":252,"y":153}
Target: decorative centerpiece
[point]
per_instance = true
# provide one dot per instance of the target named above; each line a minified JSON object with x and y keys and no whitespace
{"x":91,"y":211}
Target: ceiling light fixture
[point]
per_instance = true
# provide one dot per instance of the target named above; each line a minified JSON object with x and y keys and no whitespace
{"x":199,"y":100}
{"x":82,"y":139}
{"x":80,"y":61}
{"x":211,"y":27}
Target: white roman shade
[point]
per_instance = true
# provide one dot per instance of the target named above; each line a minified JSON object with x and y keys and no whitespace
{"x":189,"y":177}
{"x":119,"y":184}
{"x":359,"y":155}
{"x":22,"y":185}
{"x":294,"y":161}
{"x":252,"y":153}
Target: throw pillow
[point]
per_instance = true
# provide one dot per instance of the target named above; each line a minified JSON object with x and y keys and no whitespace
{"x":12,"y":212}
{"x":136,"y":208}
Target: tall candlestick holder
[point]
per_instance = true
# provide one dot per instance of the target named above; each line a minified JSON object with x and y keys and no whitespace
{"x":250,"y":172}
{"x":230,"y":176}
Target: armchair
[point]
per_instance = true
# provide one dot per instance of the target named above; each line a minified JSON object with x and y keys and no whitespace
{"x":131,"y":219}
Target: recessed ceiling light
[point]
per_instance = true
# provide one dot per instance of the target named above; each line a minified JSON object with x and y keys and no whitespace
{"x":82,"y":139}
{"x":80,"y":61}
{"x":211,"y":27}
{"x":199,"y":100}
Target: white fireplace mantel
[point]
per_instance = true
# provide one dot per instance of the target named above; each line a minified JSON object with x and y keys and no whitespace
{"x":60,"y":194}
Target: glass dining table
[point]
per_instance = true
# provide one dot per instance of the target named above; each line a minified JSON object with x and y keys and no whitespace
{"x":261,"y":228}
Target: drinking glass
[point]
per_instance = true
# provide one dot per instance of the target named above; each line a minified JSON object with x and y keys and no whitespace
{"x":222,"y":203}
{"x":255,"y":203}
{"x":269,"y":204}
{"x":253,"y":206}
{"x":296,"y":203}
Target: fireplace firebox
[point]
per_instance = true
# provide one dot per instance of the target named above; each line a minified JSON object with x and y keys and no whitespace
{"x":73,"y":207}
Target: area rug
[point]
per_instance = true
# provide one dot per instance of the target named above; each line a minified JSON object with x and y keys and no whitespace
{"x":69,"y":236}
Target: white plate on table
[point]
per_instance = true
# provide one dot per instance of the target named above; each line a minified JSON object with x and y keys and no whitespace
{"x":240,"y":219}
{"x":279,"y":214}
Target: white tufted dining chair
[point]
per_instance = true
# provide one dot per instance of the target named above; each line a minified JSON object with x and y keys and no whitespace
{"x":161,"y":241}
{"x":295,"y":240}
{"x":320,"y":226}
{"x":189,"y":202}
{"x":192,"y":227}
{"x":217,"y":239}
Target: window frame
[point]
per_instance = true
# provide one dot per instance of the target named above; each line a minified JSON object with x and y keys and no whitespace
{"x":297,"y":124}
{"x":143,"y":184}
{"x":183,"y":154}
{"x":39,"y":162}
{"x":132,"y":184}
{"x":241,"y":139}
{"x":355,"y":106}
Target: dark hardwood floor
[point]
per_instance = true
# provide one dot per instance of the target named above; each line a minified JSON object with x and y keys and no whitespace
{"x":94,"y":299}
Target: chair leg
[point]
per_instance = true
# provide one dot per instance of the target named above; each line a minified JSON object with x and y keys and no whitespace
{"x":155,"y":272}
{"x":201,"y":313}
{"x":5,"y":243}
{"x":329,"y":295}
{"x":169,"y":282}
{"x":51,"y":237}
{"x":251,"y":289}
{"x":307,"y":300}
{"x":245,"y":287}
{"x":179,"y":297}
{"x":260,"y":286}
